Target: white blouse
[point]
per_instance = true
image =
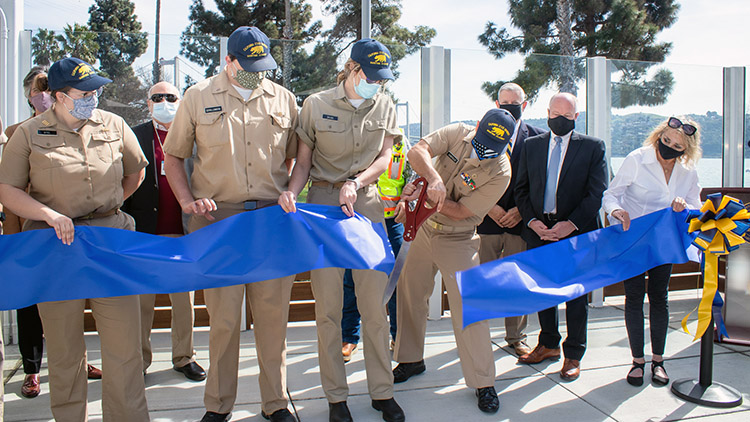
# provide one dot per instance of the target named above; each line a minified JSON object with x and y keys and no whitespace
{"x":641,"y":188}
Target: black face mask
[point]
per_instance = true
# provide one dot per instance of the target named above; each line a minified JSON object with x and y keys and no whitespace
{"x":561,"y":125}
{"x":514,"y":109}
{"x":668,"y":153}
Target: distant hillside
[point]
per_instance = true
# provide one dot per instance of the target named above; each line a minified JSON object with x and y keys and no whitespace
{"x":629,"y":131}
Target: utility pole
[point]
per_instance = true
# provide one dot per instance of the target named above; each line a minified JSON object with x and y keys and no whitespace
{"x":366,"y":19}
{"x":287,"y":47}
{"x":157,"y":67}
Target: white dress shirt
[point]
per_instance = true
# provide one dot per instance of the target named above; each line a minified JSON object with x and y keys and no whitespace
{"x":640,"y":186}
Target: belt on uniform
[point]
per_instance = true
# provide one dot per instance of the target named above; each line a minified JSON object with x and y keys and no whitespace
{"x":95,"y":215}
{"x":446,"y":229}
{"x":337,"y":185}
{"x":247,"y":205}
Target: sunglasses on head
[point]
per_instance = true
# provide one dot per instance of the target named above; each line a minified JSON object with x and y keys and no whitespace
{"x":157,"y":98}
{"x":675,"y":123}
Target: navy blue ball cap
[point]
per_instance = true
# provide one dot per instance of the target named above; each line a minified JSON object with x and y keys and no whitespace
{"x":374,"y":58}
{"x":75,"y":73}
{"x":252,"y":48}
{"x":495,"y":129}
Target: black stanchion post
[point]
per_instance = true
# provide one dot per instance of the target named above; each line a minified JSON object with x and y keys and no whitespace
{"x":704,"y":391}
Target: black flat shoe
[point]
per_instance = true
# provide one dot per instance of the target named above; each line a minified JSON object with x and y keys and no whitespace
{"x":636,"y":381}
{"x":281,"y":415}
{"x":216,"y":417}
{"x":339,"y":412}
{"x":403,"y":371}
{"x":488,"y":401}
{"x":192,"y":371}
{"x":658,"y":373}
{"x":392,"y":412}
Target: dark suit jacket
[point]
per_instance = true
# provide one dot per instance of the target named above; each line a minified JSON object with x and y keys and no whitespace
{"x":508,"y":200}
{"x":143,"y":204}
{"x":583,"y":179}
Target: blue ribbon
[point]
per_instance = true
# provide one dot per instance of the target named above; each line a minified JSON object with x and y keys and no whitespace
{"x":252,"y":246}
{"x":544,"y":277}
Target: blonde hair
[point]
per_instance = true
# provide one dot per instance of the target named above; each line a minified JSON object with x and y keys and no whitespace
{"x":693,"y":150}
{"x":349,"y":67}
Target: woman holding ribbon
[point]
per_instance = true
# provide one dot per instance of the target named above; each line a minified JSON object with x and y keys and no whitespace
{"x":79,"y":164}
{"x":346,"y":134}
{"x":30,"y":333}
{"x":659,"y":174}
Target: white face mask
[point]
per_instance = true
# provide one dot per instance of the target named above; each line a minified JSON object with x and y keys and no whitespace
{"x":164,"y":111}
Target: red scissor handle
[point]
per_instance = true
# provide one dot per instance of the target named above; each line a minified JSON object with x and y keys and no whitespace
{"x":420,"y":213}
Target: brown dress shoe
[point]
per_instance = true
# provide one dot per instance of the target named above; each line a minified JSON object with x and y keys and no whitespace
{"x":30,"y":387}
{"x":521,"y":348}
{"x":94,"y":373}
{"x":348,"y":349}
{"x":539,"y":354}
{"x":571,"y":369}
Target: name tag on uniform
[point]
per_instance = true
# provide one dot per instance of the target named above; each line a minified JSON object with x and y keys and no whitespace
{"x":46,"y":132}
{"x":212,"y":109}
{"x":452,"y":157}
{"x":163,"y":171}
{"x":329,"y":117}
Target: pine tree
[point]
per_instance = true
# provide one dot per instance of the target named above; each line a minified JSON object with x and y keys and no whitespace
{"x":121,"y":41}
{"x":616,"y":29}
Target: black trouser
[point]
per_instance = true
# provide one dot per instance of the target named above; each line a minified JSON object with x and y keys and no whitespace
{"x":635,"y":288}
{"x":576,"y":313}
{"x":576,"y":316}
{"x":30,"y":339}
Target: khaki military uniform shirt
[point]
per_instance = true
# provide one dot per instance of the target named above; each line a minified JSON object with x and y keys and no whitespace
{"x":241,"y":146}
{"x":74,"y":173}
{"x":345,"y":140}
{"x":475,"y":184}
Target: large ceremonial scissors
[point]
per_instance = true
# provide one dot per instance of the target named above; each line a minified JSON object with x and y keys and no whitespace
{"x":415,"y":216}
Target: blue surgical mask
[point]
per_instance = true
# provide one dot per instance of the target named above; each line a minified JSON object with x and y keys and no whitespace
{"x":84,"y":107}
{"x":365,"y":90}
{"x":164,"y":111}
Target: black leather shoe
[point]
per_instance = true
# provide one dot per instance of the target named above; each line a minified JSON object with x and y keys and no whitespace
{"x":403,"y":371}
{"x":488,"y":401}
{"x":216,"y":417}
{"x":392,"y":412}
{"x":192,"y":371}
{"x":281,"y":415}
{"x":339,"y":412}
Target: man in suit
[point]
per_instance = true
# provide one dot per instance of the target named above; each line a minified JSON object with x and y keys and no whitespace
{"x":561,"y":177}
{"x":500,"y":232}
{"x":157,"y":211}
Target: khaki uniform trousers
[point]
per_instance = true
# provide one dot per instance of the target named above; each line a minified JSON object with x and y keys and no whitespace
{"x":369,"y":287}
{"x":269,"y":304}
{"x":118,"y":324}
{"x":496,"y":246}
{"x":448,"y":252}
{"x":183,"y":315}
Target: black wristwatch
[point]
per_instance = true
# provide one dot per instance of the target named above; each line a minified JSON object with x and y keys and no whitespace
{"x":2,"y":216}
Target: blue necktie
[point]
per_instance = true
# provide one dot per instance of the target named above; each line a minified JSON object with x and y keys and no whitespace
{"x":553,"y":168}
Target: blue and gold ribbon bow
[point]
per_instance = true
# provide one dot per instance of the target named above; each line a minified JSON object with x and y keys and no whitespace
{"x":722,"y":224}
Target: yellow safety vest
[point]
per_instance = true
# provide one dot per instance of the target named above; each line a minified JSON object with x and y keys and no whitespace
{"x":392,"y":181}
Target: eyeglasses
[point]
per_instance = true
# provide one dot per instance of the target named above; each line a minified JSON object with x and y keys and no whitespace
{"x":675,"y":123}
{"x":157,"y":98}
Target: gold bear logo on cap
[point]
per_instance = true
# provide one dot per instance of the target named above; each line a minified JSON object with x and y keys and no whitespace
{"x":257,"y":49}
{"x":83,"y":71}
{"x":498,"y":131}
